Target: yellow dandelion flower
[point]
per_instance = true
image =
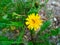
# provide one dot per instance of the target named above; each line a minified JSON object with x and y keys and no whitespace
{"x":34,"y":21}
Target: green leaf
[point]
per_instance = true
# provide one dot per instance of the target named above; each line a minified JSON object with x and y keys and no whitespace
{"x":3,"y":38}
{"x":55,"y":31}
{"x":5,"y":43}
{"x":20,"y":37}
{"x":19,"y":24}
{"x":45,"y":25}
{"x":58,"y":29}
{"x":46,"y":1}
{"x":30,"y":43}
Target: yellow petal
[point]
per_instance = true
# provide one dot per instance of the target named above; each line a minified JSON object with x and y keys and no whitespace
{"x":27,"y":23}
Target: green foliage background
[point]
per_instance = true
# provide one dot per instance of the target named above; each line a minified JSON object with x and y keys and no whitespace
{"x":13,"y":13}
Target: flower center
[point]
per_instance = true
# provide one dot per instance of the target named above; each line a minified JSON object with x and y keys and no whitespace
{"x":33,"y":21}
